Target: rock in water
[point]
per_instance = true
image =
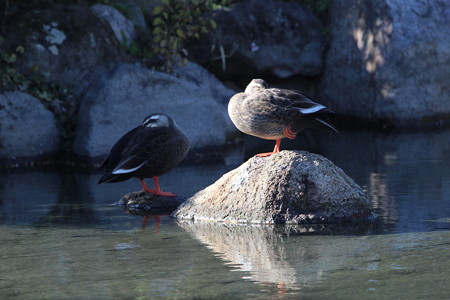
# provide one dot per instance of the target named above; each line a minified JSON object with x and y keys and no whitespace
{"x":289,"y":187}
{"x":143,"y":203}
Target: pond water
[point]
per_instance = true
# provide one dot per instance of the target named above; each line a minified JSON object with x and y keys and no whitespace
{"x":62,"y":239}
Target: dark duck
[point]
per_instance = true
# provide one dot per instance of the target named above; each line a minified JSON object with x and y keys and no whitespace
{"x":147,"y":151}
{"x":274,"y":114}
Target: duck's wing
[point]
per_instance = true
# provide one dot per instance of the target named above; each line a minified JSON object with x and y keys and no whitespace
{"x":142,"y":147}
{"x":298,"y":101}
{"x":296,"y":105}
{"x":120,"y":155}
{"x":116,"y":152}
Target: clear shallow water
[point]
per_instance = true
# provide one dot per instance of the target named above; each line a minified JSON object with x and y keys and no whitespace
{"x":61,"y":238}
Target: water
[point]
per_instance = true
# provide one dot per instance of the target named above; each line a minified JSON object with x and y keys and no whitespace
{"x":61,"y":238}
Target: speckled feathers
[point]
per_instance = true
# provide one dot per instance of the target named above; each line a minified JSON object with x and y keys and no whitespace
{"x":266,"y":112}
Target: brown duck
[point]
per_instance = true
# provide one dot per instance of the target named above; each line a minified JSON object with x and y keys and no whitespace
{"x":147,"y":151}
{"x":274,"y":114}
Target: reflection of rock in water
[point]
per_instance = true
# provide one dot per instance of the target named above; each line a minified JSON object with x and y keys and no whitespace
{"x":255,"y":249}
{"x":380,"y":199}
{"x":274,"y":254}
{"x":73,"y":206}
{"x":24,"y":190}
{"x":269,"y":254}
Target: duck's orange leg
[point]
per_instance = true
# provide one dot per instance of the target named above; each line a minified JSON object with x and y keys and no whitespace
{"x":275,"y":150}
{"x":157,"y":190}
{"x":289,"y":133}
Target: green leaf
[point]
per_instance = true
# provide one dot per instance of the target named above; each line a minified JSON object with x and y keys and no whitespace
{"x":157,"y":30}
{"x":180,"y":33}
{"x":11,"y":58}
{"x":157,"y":21}
{"x":157,"y":10}
{"x":20,"y":49}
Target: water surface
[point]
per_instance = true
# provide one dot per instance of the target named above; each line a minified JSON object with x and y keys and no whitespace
{"x":62,"y":239}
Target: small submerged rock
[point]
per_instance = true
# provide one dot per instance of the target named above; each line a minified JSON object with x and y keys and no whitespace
{"x":143,"y":203}
{"x":290,"y":187}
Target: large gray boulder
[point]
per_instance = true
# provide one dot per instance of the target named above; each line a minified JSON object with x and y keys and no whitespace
{"x":28,"y":131}
{"x":292,"y":187}
{"x":388,"y":61}
{"x":68,"y":44}
{"x":265,"y":37}
{"x":120,"y":99}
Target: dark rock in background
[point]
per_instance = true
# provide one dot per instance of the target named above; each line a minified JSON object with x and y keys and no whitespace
{"x":389,"y":61}
{"x":28,"y":131}
{"x":263,"y":37}
{"x":69,"y":44}
{"x":119,"y":100}
{"x":290,"y":187}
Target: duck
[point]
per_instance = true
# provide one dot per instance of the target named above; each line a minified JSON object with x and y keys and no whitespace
{"x":274,"y":114}
{"x":147,"y":151}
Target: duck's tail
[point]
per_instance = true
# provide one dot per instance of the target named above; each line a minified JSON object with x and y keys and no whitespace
{"x":327,"y":124}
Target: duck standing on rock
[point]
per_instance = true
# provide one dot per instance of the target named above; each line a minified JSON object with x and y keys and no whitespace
{"x":274,"y":114}
{"x":149,"y":150}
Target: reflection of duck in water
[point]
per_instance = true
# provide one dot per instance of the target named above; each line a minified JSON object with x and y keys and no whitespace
{"x":274,"y":114}
{"x":149,"y":150}
{"x":157,"y":222}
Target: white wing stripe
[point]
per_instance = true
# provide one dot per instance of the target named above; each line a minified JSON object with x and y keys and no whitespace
{"x":125,"y":171}
{"x":311,"y":110}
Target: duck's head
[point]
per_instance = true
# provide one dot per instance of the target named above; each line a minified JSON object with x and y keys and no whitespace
{"x":157,"y":120}
{"x":256,"y":84}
